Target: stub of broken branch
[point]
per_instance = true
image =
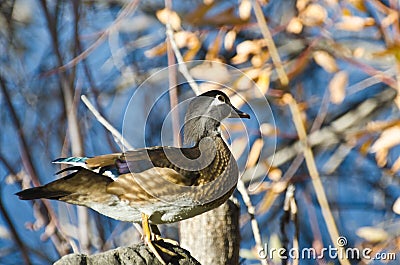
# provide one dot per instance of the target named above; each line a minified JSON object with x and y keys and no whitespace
{"x":138,"y":254}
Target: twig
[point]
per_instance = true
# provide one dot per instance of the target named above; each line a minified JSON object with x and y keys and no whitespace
{"x":181,"y":63}
{"x":119,"y":139}
{"x":262,"y":23}
{"x":173,"y":90}
{"x":316,"y":181}
{"x":251,"y":211}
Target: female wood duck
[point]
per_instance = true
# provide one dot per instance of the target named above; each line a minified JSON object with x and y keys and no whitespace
{"x":156,"y":185}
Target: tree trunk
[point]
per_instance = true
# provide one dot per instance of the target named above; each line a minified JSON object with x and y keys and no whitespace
{"x":213,"y":237}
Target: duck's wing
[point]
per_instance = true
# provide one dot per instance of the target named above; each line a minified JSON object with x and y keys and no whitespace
{"x":164,"y":173}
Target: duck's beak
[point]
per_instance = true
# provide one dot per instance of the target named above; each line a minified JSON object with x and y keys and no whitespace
{"x":238,"y":114}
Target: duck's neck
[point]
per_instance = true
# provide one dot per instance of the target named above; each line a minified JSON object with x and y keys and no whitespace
{"x":197,"y":129}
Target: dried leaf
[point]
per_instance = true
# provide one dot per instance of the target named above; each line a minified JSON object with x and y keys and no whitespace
{"x":260,"y":59}
{"x":19,"y":177}
{"x":191,"y":53}
{"x":396,"y":166}
{"x":359,"y":4}
{"x":245,"y":9}
{"x":229,"y":40}
{"x":213,"y":51}
{"x":396,"y":206}
{"x":237,"y":100}
{"x":364,"y":148}
{"x":207,"y":86}
{"x":301,"y":4}
{"x":156,"y":51}
{"x":359,"y":52}
{"x":337,"y":87}
{"x":352,"y":23}
{"x":248,"y":47}
{"x":313,"y":15}
{"x":238,"y":147}
{"x":240,"y":58}
{"x":22,"y":11}
{"x":381,"y":157}
{"x":279,"y":187}
{"x":326,"y":61}
{"x":255,"y":152}
{"x":211,"y":71}
{"x":390,"y":19}
{"x":166,"y":16}
{"x":295,"y":26}
{"x":378,"y":126}
{"x":263,"y":80}
{"x":389,"y":138}
{"x":4,"y":233}
{"x":267,"y":129}
{"x":275,"y":174}
{"x":267,"y":201}
{"x":372,"y":234}
{"x":246,"y":80}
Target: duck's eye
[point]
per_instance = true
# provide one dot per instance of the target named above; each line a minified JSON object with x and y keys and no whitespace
{"x":221,"y":98}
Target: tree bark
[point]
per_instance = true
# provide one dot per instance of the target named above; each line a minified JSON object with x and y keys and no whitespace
{"x":213,"y":238}
{"x":138,"y":254}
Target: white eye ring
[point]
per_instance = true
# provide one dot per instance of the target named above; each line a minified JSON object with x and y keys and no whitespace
{"x":221,"y":98}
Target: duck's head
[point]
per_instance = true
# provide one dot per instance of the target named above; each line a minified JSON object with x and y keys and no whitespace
{"x":205,"y":114}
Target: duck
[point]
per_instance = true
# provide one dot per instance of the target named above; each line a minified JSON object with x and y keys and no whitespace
{"x":160,"y":184}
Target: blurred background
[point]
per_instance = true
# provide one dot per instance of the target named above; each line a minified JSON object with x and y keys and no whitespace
{"x":330,"y":67}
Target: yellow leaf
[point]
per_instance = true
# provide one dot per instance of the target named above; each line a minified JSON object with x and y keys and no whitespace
{"x":263,"y":80}
{"x":372,"y":234}
{"x":313,"y":15}
{"x":301,"y":4}
{"x":245,"y":9}
{"x":359,"y":4}
{"x":396,"y":206}
{"x":354,"y":23}
{"x":212,"y":53}
{"x":396,"y":167}
{"x":248,"y":47}
{"x":238,"y":146}
{"x":337,"y":87}
{"x":211,"y":71}
{"x":275,"y":174}
{"x":259,"y":60}
{"x":229,"y":40}
{"x":166,"y":16}
{"x":295,"y":26}
{"x":389,"y":138}
{"x":267,"y":129}
{"x":381,"y":157}
{"x":326,"y":61}
{"x":255,"y":152}
{"x":156,"y":51}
